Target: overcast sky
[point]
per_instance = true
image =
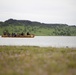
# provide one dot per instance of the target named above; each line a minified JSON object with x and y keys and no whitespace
{"x":46,"y":11}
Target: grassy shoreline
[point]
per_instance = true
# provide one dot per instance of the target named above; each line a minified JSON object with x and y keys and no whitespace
{"x":33,"y":60}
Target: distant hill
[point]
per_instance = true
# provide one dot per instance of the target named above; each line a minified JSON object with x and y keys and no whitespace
{"x":37,"y":28}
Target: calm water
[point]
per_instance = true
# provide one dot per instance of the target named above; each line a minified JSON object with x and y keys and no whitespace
{"x":54,"y":41}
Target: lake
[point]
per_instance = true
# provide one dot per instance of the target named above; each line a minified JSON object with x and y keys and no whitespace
{"x":42,"y":41}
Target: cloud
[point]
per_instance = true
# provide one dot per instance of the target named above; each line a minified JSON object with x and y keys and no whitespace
{"x":60,"y":11}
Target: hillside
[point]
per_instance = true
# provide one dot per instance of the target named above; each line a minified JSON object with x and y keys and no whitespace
{"x":37,"y":28}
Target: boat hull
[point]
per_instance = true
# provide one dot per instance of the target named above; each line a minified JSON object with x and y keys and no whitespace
{"x":20,"y":36}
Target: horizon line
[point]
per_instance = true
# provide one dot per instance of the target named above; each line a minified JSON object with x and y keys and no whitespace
{"x":37,"y":21}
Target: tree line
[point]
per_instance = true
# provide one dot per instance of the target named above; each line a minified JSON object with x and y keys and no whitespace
{"x":37,"y":28}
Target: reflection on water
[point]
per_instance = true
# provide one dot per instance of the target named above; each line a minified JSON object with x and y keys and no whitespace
{"x":54,"y":41}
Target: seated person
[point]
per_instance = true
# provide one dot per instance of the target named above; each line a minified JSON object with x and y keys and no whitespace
{"x":28,"y":33}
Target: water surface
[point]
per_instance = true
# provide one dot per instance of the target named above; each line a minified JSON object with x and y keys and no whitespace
{"x":53,"y":41}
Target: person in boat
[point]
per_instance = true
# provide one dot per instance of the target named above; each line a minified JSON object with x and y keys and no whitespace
{"x":28,"y":33}
{"x":4,"y":33}
{"x":13,"y":34}
{"x":8,"y":34}
{"x":22,"y":33}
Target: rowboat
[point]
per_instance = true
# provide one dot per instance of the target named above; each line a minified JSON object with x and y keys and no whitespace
{"x":19,"y":36}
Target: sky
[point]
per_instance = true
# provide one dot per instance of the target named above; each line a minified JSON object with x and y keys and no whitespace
{"x":44,"y":11}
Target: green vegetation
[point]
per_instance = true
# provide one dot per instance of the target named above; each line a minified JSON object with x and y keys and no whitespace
{"x":37,"y":28}
{"x":31,"y":60}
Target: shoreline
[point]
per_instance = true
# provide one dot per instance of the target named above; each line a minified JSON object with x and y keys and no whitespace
{"x":37,"y":46}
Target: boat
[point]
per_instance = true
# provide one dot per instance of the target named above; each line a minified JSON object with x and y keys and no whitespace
{"x":13,"y":35}
{"x":24,"y":36}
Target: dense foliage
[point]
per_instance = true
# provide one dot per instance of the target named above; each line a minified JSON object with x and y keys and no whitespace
{"x":37,"y":28}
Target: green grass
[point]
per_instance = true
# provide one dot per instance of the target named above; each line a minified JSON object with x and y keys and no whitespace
{"x":31,"y":60}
